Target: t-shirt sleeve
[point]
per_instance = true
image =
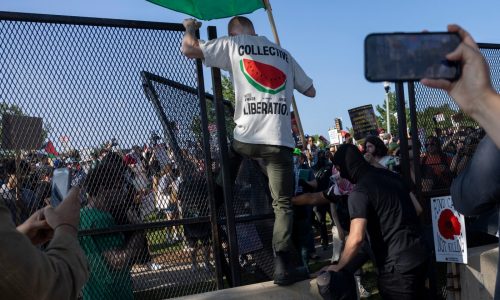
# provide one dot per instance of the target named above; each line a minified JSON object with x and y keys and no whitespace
{"x":301,"y":81}
{"x":216,"y":53}
{"x":358,"y":204}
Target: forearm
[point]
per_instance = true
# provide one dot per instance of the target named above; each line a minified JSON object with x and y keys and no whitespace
{"x":310,"y":199}
{"x":58,"y":273}
{"x":310,"y":92}
{"x":351,"y":249}
{"x":191,"y":44}
{"x":487,"y":115}
{"x":416,"y":204}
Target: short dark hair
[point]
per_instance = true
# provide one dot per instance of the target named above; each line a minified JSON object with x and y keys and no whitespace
{"x":104,"y":176}
{"x":380,"y":147}
{"x":244,"y":21}
{"x":11,"y":168}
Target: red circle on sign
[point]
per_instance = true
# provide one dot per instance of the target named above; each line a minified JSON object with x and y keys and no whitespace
{"x":448,"y":224}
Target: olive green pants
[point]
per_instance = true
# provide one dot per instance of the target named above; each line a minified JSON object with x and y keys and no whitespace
{"x":278,"y":164}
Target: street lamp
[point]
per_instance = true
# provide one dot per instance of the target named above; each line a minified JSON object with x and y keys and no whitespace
{"x":387,"y":88}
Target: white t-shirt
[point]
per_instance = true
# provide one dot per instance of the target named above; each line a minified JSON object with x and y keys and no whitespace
{"x":264,"y":76}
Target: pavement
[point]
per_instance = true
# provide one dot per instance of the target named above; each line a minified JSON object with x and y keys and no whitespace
{"x":175,"y":270}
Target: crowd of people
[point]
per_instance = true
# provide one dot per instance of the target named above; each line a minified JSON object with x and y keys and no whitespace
{"x":120,"y":188}
{"x":374,"y":212}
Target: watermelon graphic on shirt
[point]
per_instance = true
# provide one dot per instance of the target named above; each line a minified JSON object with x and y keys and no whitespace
{"x":265,"y":78}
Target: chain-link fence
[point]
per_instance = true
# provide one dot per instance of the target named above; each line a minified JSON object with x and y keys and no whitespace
{"x":75,"y":94}
{"x":446,"y":138}
{"x":251,"y":203}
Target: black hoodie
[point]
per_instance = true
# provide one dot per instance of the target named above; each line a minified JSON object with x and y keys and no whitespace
{"x":351,"y":162}
{"x":381,"y":197}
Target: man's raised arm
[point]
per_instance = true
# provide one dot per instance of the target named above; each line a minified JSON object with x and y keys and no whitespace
{"x":190,"y":44}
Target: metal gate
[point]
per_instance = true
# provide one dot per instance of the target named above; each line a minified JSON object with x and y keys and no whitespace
{"x":80,"y":93}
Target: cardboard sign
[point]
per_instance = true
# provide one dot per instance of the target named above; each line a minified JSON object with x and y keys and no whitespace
{"x":334,"y":136}
{"x":21,"y":132}
{"x":363,"y":121}
{"x":449,"y":231}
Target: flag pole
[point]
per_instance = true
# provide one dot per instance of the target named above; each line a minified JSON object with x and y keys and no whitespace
{"x":269,"y":11}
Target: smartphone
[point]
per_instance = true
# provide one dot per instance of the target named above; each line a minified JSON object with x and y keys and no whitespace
{"x":410,"y":56}
{"x":61,"y":184}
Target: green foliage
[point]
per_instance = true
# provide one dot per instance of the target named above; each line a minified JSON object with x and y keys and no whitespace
{"x":321,"y":145}
{"x":228,"y":89}
{"x":228,"y":94}
{"x":380,"y":112}
{"x":425,"y":118}
{"x":427,"y":121}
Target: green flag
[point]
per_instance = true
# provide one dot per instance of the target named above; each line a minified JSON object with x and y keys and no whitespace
{"x":211,"y":9}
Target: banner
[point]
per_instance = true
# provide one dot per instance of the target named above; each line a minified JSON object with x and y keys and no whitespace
{"x":213,"y":9}
{"x":363,"y":121}
{"x":449,"y":231}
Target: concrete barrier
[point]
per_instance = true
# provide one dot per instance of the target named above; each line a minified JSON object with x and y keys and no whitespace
{"x":303,"y":290}
{"x":477,"y":278}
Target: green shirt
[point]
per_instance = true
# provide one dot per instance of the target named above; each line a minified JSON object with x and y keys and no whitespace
{"x":105,"y":282}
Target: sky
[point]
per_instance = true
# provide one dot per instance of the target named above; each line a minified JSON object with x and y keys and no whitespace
{"x":325,"y":37}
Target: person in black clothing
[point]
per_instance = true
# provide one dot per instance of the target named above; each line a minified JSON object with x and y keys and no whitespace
{"x":381,"y":206}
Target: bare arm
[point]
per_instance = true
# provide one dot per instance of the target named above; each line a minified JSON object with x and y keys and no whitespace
{"x":310,"y":92}
{"x":353,"y":243}
{"x":190,"y":43}
{"x":416,"y":204}
{"x":310,"y":198}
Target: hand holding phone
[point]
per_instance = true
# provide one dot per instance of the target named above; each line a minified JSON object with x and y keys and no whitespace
{"x":411,"y":56}
{"x":474,"y":88}
{"x":61,"y":183}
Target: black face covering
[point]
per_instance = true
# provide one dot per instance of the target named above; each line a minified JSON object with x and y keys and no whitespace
{"x":351,"y":162}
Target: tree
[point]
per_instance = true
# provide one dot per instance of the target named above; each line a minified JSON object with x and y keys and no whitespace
{"x":228,"y":89}
{"x":227,"y":94}
{"x":382,"y":115}
{"x":439,"y":118}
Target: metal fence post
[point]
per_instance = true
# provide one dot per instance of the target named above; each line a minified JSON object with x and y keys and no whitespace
{"x":414,"y":137}
{"x":403,"y":135}
{"x":216,"y":245}
{"x":225,"y":168}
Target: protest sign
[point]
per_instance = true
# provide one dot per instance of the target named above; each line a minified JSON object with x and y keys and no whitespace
{"x":449,"y":231}
{"x":363,"y":121}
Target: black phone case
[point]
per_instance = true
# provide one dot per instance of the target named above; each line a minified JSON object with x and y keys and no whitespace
{"x":458,"y":65}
